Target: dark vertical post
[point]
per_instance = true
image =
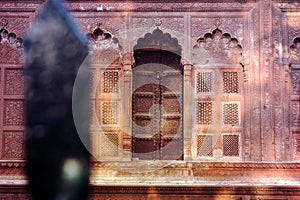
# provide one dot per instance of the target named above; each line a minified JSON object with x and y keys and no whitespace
{"x":58,"y":161}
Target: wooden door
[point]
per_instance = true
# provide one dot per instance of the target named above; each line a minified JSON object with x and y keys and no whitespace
{"x":157,"y":106}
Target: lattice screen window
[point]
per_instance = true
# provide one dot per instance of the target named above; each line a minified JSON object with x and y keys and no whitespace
{"x":204,"y":113}
{"x":110,"y":144}
{"x":231,"y":82}
{"x":231,"y":145}
{"x":204,"y":81}
{"x":231,"y":114}
{"x":109,"y":112}
{"x":110,"y":82}
{"x":204,"y":145}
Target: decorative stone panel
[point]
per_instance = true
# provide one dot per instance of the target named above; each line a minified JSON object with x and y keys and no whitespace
{"x":110,"y":82}
{"x":13,"y":145}
{"x":204,"y":113}
{"x":231,"y":114}
{"x":109,"y":145}
{"x":204,"y":82}
{"x":14,"y":112}
{"x":231,"y":82}
{"x":14,"y":82}
{"x":295,"y":80}
{"x":109,"y":112}
{"x":231,"y":145}
{"x":204,"y":145}
{"x":296,"y":114}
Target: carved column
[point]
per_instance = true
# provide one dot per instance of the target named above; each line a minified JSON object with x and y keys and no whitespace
{"x":287,"y":136}
{"x":278,"y":85}
{"x":126,"y":96}
{"x":188,"y":116}
{"x":266,"y":62}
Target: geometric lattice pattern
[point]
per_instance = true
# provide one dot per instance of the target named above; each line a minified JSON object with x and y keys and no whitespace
{"x":231,"y":114}
{"x":109,"y":112}
{"x":204,"y":113}
{"x":204,"y":145}
{"x":231,"y":145}
{"x":230,"y":81}
{"x":204,"y":82}
{"x":111,"y":82}
{"x":110,"y":143}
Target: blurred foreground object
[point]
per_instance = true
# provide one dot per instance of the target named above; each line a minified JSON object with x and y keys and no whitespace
{"x":58,"y":162}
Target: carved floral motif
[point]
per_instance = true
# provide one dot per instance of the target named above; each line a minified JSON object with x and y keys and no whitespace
{"x":13,"y":144}
{"x":14,"y":112}
{"x":14,"y":81}
{"x":295,"y":79}
{"x":296,"y":114}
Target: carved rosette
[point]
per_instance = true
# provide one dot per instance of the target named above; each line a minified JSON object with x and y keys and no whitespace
{"x":11,"y":46}
{"x":217,"y":48}
{"x":104,"y":47}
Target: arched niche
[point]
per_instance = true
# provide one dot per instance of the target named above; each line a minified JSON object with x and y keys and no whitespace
{"x":217,"y":48}
{"x":106,"y":91}
{"x":295,"y":51}
{"x":157,"y":99}
{"x":104,"y":47}
{"x":218,"y":96}
{"x":157,"y":41}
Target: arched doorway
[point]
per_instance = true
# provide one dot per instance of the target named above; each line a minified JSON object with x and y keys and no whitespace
{"x":157,"y":101}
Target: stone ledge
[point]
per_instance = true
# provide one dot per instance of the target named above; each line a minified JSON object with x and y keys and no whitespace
{"x":174,"y":173}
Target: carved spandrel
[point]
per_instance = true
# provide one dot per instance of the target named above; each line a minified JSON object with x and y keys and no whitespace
{"x":293,"y":27}
{"x":174,"y":25}
{"x":234,"y":26}
{"x":104,"y":47}
{"x":113,"y":24}
{"x":217,"y":48}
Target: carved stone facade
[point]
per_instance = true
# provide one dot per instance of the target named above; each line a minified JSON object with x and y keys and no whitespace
{"x":241,"y":97}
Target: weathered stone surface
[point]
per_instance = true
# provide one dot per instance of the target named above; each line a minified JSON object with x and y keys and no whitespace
{"x":58,"y":163}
